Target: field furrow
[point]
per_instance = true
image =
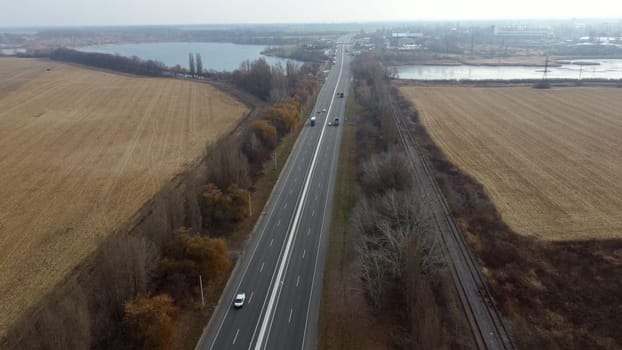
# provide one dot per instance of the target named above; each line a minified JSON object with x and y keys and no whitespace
{"x":549,"y":159}
{"x":81,"y":151}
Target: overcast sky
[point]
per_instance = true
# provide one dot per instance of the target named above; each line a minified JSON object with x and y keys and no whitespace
{"x":120,"y":12}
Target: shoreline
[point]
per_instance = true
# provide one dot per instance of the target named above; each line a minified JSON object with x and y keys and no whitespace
{"x":483,"y":62}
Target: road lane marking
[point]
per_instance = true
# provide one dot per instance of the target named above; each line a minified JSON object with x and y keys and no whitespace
{"x":317,"y":251}
{"x":297,"y":280}
{"x":251,"y":297}
{"x":278,"y":223}
{"x":313,"y":213}
{"x":246,"y":262}
{"x":308,"y":232}
{"x":276,"y":288}
{"x":290,"y":315}
{"x":285,"y":205}
{"x":304,"y":251}
{"x":261,"y":268}
{"x":316,"y":197}
{"x":271,"y":241}
{"x":236,"y":335}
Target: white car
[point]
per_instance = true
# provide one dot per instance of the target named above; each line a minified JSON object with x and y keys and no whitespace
{"x":238,"y":302}
{"x":324,"y":110}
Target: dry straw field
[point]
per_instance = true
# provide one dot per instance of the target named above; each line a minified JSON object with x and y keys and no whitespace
{"x":81,"y":151}
{"x":551,"y":160}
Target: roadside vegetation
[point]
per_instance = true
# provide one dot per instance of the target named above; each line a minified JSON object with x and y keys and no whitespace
{"x":234,"y":167}
{"x":306,"y":52}
{"x":387,"y":284}
{"x":145,"y":290}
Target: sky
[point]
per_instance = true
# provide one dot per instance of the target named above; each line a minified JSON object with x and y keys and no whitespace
{"x":16,"y":13}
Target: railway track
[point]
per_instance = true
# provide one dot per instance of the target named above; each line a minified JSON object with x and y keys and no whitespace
{"x":486,"y":323}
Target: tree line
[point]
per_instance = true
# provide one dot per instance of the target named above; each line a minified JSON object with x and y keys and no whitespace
{"x":131,"y":65}
{"x":271,"y":83}
{"x":402,"y":265}
{"x":232,"y":165}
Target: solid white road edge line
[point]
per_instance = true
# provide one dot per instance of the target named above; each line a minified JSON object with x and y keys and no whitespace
{"x":277,"y":286}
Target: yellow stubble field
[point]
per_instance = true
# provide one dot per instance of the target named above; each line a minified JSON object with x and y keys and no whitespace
{"x":81,"y":151}
{"x":551,"y":160}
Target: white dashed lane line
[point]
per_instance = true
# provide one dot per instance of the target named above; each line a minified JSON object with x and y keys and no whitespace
{"x":236,"y":335}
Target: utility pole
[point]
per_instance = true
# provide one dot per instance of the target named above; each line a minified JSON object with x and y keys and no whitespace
{"x":250,"y":204}
{"x":201,"y":284}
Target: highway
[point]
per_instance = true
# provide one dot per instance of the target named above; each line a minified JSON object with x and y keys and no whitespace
{"x":281,"y":267}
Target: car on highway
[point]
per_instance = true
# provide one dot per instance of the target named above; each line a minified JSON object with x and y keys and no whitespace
{"x":238,"y":302}
{"x":324,"y":110}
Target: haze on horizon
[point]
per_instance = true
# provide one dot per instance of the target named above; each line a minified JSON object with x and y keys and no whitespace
{"x":36,"y":13}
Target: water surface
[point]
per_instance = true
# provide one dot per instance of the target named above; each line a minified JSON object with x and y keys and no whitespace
{"x":215,"y":56}
{"x":606,"y":69}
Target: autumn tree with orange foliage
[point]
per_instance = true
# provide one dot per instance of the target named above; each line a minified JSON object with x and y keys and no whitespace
{"x":266,"y":133}
{"x":284,"y":115}
{"x":188,"y":256}
{"x":223,"y":209}
{"x":150,"y":322}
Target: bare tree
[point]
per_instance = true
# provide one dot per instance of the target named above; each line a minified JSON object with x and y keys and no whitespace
{"x":227,"y":165}
{"x":385,"y":171}
{"x":199,"y":64}
{"x":191,"y":66}
{"x":123,"y":269}
{"x":387,"y":228}
{"x":279,"y":84}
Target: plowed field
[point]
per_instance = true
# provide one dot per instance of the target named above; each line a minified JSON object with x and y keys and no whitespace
{"x":551,"y":160}
{"x":81,"y":151}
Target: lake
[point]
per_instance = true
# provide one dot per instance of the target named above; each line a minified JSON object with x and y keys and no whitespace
{"x":215,"y":56}
{"x":606,"y":69}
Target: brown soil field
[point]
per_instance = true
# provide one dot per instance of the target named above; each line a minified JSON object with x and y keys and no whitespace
{"x":549,"y":159}
{"x":81,"y":152}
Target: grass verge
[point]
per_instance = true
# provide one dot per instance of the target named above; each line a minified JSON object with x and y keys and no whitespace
{"x":345,"y":321}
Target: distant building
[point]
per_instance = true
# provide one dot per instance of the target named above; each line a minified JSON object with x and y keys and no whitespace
{"x":522,"y":32}
{"x":405,"y":38}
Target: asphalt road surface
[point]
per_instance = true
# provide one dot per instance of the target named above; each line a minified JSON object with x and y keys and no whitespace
{"x":282,"y":266}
